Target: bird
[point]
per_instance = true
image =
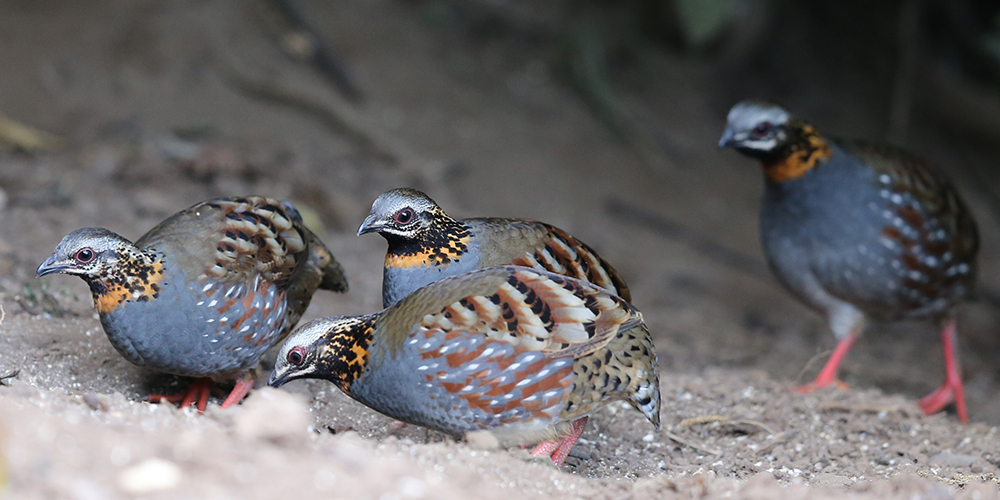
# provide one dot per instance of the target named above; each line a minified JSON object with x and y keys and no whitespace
{"x":425,"y":244}
{"x":860,"y":231}
{"x":205,"y":292}
{"x":522,"y":354}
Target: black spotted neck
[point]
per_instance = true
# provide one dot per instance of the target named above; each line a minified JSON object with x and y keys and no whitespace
{"x":344,"y":356}
{"x":442,"y":242}
{"x":133,"y":276}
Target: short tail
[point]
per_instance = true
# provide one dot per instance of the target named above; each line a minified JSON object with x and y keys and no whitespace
{"x":645,"y":394}
{"x":647,"y":400}
{"x":334,"y":278}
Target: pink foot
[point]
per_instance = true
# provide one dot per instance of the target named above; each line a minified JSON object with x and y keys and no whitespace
{"x":198,"y":391}
{"x":828,"y":375}
{"x":240,"y":391}
{"x":951,"y":391}
{"x":559,"y":450}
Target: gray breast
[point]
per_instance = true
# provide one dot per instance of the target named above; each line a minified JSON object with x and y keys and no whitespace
{"x":182,"y":331}
{"x":398,"y":282}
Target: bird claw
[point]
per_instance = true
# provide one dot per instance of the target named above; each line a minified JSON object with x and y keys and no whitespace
{"x":559,"y":450}
{"x":197,"y":393}
{"x":944,"y":396}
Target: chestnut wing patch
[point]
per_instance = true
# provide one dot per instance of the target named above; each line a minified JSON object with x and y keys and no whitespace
{"x":509,"y":356}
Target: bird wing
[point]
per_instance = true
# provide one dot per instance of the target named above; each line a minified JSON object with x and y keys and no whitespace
{"x":938,"y":208}
{"x":235,"y":240}
{"x":530,"y":243}
{"x":528,"y":309}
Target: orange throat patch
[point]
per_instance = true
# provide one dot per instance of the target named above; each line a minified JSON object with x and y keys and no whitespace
{"x":446,"y":252}
{"x":419,"y":259}
{"x":137,"y":283}
{"x":804,"y":154}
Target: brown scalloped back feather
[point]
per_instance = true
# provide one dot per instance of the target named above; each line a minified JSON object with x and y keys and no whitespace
{"x":530,"y":243}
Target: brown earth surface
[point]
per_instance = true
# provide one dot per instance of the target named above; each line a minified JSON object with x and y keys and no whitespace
{"x":158,"y":105}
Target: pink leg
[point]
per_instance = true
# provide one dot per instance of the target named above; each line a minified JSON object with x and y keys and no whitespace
{"x":559,"y":450}
{"x":559,"y":456}
{"x":198,"y":390}
{"x":828,"y":375}
{"x":545,"y":449}
{"x":951,"y":390}
{"x":240,"y":391}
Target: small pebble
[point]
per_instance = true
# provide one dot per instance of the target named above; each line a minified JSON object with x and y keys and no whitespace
{"x":150,"y":476}
{"x":95,"y":401}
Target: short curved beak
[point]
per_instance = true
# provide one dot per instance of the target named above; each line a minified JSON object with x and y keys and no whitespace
{"x":278,"y":379}
{"x":50,"y":266}
{"x":727,"y":139}
{"x":369,"y":225}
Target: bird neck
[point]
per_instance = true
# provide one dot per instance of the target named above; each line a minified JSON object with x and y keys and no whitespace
{"x":802,"y":151}
{"x":133,"y":276}
{"x":345,"y":354}
{"x":444,"y":241}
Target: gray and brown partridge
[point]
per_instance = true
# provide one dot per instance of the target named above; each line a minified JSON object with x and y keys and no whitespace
{"x":522,"y":354}
{"x":205,"y":292}
{"x":859,"y":231}
{"x":425,"y":245}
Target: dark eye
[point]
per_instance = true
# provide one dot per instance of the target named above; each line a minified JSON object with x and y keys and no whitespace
{"x":84,"y":256}
{"x":762,"y":129}
{"x":297,"y":356}
{"x":403,"y":216}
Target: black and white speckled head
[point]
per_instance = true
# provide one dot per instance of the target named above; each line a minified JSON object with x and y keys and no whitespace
{"x":87,"y":253}
{"x":333,"y":348}
{"x":402,"y":212}
{"x":755,"y":127}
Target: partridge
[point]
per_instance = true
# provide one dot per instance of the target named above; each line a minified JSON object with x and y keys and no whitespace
{"x":425,"y":245}
{"x":204,"y":293}
{"x":523,"y":354}
{"x":859,"y":231}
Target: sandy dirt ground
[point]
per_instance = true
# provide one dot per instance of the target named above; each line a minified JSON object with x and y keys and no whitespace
{"x":158,"y":105}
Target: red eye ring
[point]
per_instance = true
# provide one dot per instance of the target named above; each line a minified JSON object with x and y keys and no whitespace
{"x":404,"y":216}
{"x":85,"y":255}
{"x":296,"y":356}
{"x":762,"y":129}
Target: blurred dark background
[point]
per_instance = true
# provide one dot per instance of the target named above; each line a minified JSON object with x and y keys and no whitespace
{"x":598,"y":116}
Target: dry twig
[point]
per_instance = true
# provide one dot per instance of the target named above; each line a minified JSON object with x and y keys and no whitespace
{"x":679,"y":440}
{"x":723,"y":420}
{"x":782,"y":438}
{"x":5,"y":378}
{"x":840,"y":407}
